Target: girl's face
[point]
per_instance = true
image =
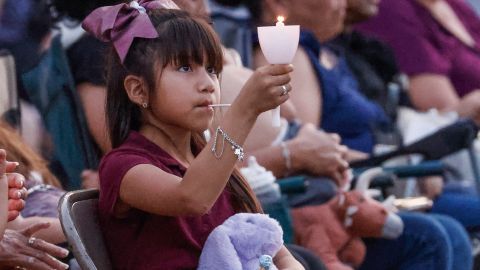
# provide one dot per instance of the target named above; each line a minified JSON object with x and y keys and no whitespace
{"x":182,"y":96}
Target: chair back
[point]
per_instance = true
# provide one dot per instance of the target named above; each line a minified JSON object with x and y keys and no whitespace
{"x":9,"y":108}
{"x":79,"y":217}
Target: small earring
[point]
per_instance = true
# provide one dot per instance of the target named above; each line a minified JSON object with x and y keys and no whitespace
{"x":144,"y":105}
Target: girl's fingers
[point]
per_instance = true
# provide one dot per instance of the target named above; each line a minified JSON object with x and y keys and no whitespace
{"x":275,"y":70}
{"x":280,"y":80}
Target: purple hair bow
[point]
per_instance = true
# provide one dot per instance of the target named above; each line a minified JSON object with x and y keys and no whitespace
{"x":121,"y":23}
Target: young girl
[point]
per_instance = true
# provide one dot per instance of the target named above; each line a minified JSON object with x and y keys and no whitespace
{"x":163,"y":188}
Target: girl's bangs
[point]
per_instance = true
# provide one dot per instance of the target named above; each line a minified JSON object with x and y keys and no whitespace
{"x":186,"y":41}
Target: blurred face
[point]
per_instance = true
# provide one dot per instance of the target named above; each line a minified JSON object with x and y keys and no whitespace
{"x":197,"y":7}
{"x":324,"y":17}
{"x":361,"y":10}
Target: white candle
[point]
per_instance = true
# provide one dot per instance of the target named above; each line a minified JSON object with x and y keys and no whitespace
{"x":279,"y":44}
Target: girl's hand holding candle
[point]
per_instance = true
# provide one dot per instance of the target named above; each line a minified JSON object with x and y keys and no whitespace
{"x":279,"y":44}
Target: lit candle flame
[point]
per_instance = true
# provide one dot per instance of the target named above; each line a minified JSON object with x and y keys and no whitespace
{"x":280,"y":20}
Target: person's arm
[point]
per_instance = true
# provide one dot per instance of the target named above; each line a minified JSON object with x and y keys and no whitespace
{"x":93,"y":101}
{"x":153,"y":190}
{"x":430,"y":90}
{"x":433,"y":91}
{"x":285,"y":261}
{"x":53,"y":234}
{"x":312,"y":151}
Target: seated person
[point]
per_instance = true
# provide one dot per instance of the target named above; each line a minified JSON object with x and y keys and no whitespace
{"x":327,"y":95}
{"x":436,"y":43}
{"x":159,"y":90}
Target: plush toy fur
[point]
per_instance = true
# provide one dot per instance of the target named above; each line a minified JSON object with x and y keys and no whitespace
{"x":239,"y":242}
{"x":333,"y":230}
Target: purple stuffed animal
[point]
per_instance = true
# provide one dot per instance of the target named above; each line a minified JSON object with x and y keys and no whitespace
{"x":240,"y":241}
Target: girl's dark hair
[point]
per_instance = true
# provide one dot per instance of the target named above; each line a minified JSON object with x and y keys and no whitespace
{"x":183,"y":39}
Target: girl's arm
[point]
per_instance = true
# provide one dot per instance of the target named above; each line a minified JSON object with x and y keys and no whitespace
{"x":150,"y":189}
{"x":285,"y":261}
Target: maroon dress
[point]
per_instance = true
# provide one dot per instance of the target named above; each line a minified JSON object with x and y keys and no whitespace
{"x":146,"y":241}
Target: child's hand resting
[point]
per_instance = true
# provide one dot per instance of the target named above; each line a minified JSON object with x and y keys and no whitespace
{"x":266,"y":89}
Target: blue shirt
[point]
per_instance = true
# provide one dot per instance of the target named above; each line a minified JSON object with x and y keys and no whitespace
{"x":344,"y":109}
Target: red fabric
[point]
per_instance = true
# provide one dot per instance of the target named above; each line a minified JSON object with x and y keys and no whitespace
{"x":142,"y":240}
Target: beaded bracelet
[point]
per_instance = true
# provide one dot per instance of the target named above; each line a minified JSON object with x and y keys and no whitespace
{"x":266,"y":262}
{"x":237,"y":149}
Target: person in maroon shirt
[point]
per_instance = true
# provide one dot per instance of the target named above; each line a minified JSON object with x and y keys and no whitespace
{"x":163,"y":188}
{"x":437,"y":43}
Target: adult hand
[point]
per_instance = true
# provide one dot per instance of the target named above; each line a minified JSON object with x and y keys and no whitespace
{"x":90,"y":179}
{"x":21,"y":250}
{"x":319,"y":153}
{"x":431,"y":186}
